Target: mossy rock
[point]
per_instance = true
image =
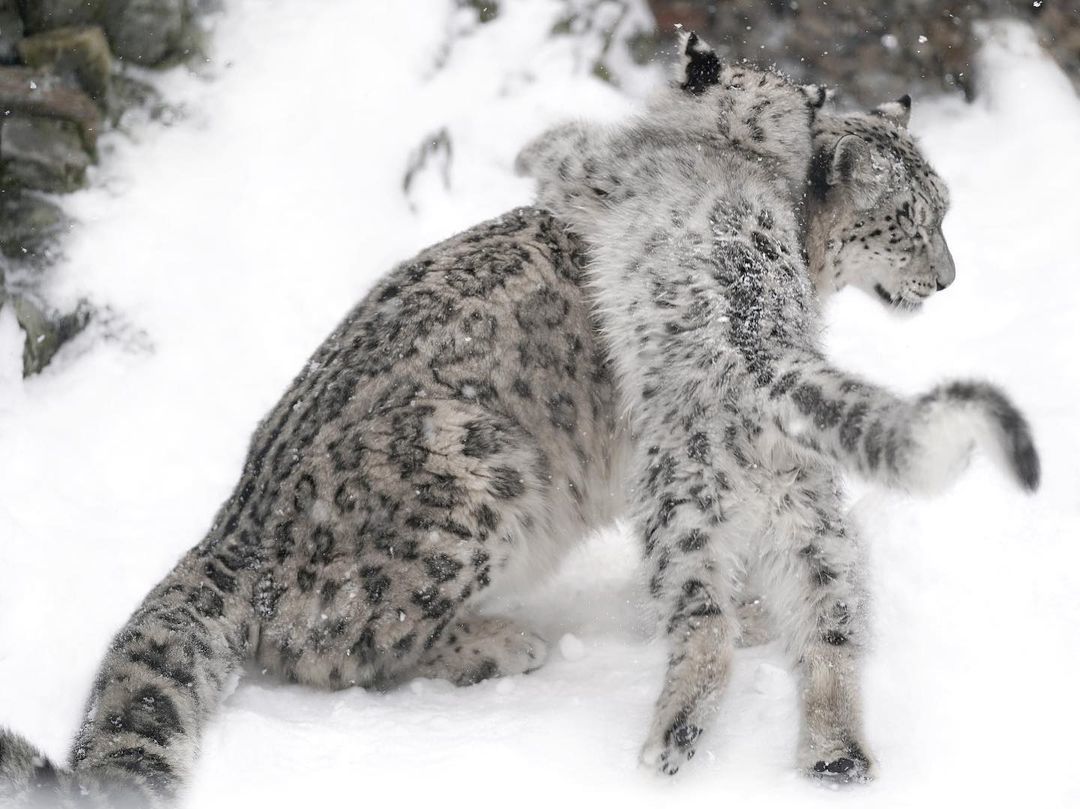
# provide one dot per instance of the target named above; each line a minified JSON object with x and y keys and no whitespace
{"x":46,"y":154}
{"x":45,"y":333}
{"x":11,"y":31}
{"x":81,"y":54}
{"x":29,"y":224}
{"x":44,"y":15}
{"x":145,"y":32}
{"x":486,"y":10}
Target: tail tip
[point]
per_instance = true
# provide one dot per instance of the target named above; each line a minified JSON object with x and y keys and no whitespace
{"x":1027,"y":466}
{"x":1015,"y":435}
{"x":23,"y":768}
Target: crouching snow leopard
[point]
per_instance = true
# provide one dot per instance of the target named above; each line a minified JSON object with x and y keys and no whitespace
{"x":465,"y":424}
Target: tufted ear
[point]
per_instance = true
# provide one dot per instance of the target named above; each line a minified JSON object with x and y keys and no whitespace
{"x":899,"y":111}
{"x":699,"y":66}
{"x":816,"y":95}
{"x":853,"y":168}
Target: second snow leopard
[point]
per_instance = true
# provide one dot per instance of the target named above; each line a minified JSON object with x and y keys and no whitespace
{"x":695,"y":225}
{"x":461,"y":428}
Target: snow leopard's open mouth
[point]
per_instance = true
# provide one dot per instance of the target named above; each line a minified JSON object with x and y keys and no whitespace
{"x":902,"y":302}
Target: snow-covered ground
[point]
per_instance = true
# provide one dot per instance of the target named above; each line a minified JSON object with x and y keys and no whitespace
{"x":228,"y":244}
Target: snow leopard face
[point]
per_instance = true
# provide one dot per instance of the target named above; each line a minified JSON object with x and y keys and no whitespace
{"x":876,"y":208}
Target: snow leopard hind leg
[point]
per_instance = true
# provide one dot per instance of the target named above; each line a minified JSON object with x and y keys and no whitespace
{"x":811,"y":567}
{"x":384,"y":586}
{"x":459,"y":473}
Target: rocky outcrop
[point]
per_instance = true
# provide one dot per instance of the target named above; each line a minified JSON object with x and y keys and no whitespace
{"x":145,"y":32}
{"x":62,"y":79}
{"x":46,"y":332}
{"x":43,"y":153}
{"x":81,"y":56}
{"x":30,"y":224}
{"x":42,"y":15}
{"x":11,"y":31}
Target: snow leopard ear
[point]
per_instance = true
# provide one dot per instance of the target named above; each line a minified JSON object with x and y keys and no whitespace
{"x":854,"y":169}
{"x":699,"y":66}
{"x":899,"y":111}
{"x":816,"y":95}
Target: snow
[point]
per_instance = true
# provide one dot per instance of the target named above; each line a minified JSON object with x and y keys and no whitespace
{"x":571,"y":647}
{"x":227,"y":244}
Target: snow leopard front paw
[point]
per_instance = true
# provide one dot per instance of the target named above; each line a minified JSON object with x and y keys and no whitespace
{"x":671,"y":743}
{"x":844,"y":762}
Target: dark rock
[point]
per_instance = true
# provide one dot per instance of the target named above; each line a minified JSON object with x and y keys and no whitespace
{"x":45,"y":332}
{"x":29,"y":225}
{"x":11,"y":31}
{"x":79,"y":54}
{"x":129,"y":94}
{"x":486,"y":10}
{"x":47,"y":154}
{"x":22,"y":90}
{"x":145,"y":32}
{"x":42,"y":15}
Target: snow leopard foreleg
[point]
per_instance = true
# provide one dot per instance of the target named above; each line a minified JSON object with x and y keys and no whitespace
{"x":814,"y":588}
{"x":690,"y":578}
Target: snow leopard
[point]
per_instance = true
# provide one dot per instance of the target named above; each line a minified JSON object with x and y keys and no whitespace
{"x":707,"y":220}
{"x":449,"y":440}
{"x":468,"y":422}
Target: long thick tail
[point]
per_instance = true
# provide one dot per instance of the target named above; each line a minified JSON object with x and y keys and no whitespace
{"x":27,"y":776}
{"x":920,"y":445}
{"x":166,"y":671}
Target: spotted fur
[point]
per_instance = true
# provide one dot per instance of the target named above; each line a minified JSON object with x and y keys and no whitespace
{"x":462,"y":428}
{"x":694,"y":218}
{"x":451,"y":438}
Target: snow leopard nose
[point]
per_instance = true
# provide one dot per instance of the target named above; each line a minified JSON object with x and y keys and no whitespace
{"x":942,"y":262}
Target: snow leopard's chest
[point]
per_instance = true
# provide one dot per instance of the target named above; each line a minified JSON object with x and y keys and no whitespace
{"x":705,"y":306}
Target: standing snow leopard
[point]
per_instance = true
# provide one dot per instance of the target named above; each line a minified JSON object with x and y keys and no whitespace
{"x":696,"y":229}
{"x":457,"y":432}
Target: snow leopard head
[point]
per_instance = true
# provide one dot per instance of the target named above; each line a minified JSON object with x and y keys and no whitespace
{"x":875,"y":209}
